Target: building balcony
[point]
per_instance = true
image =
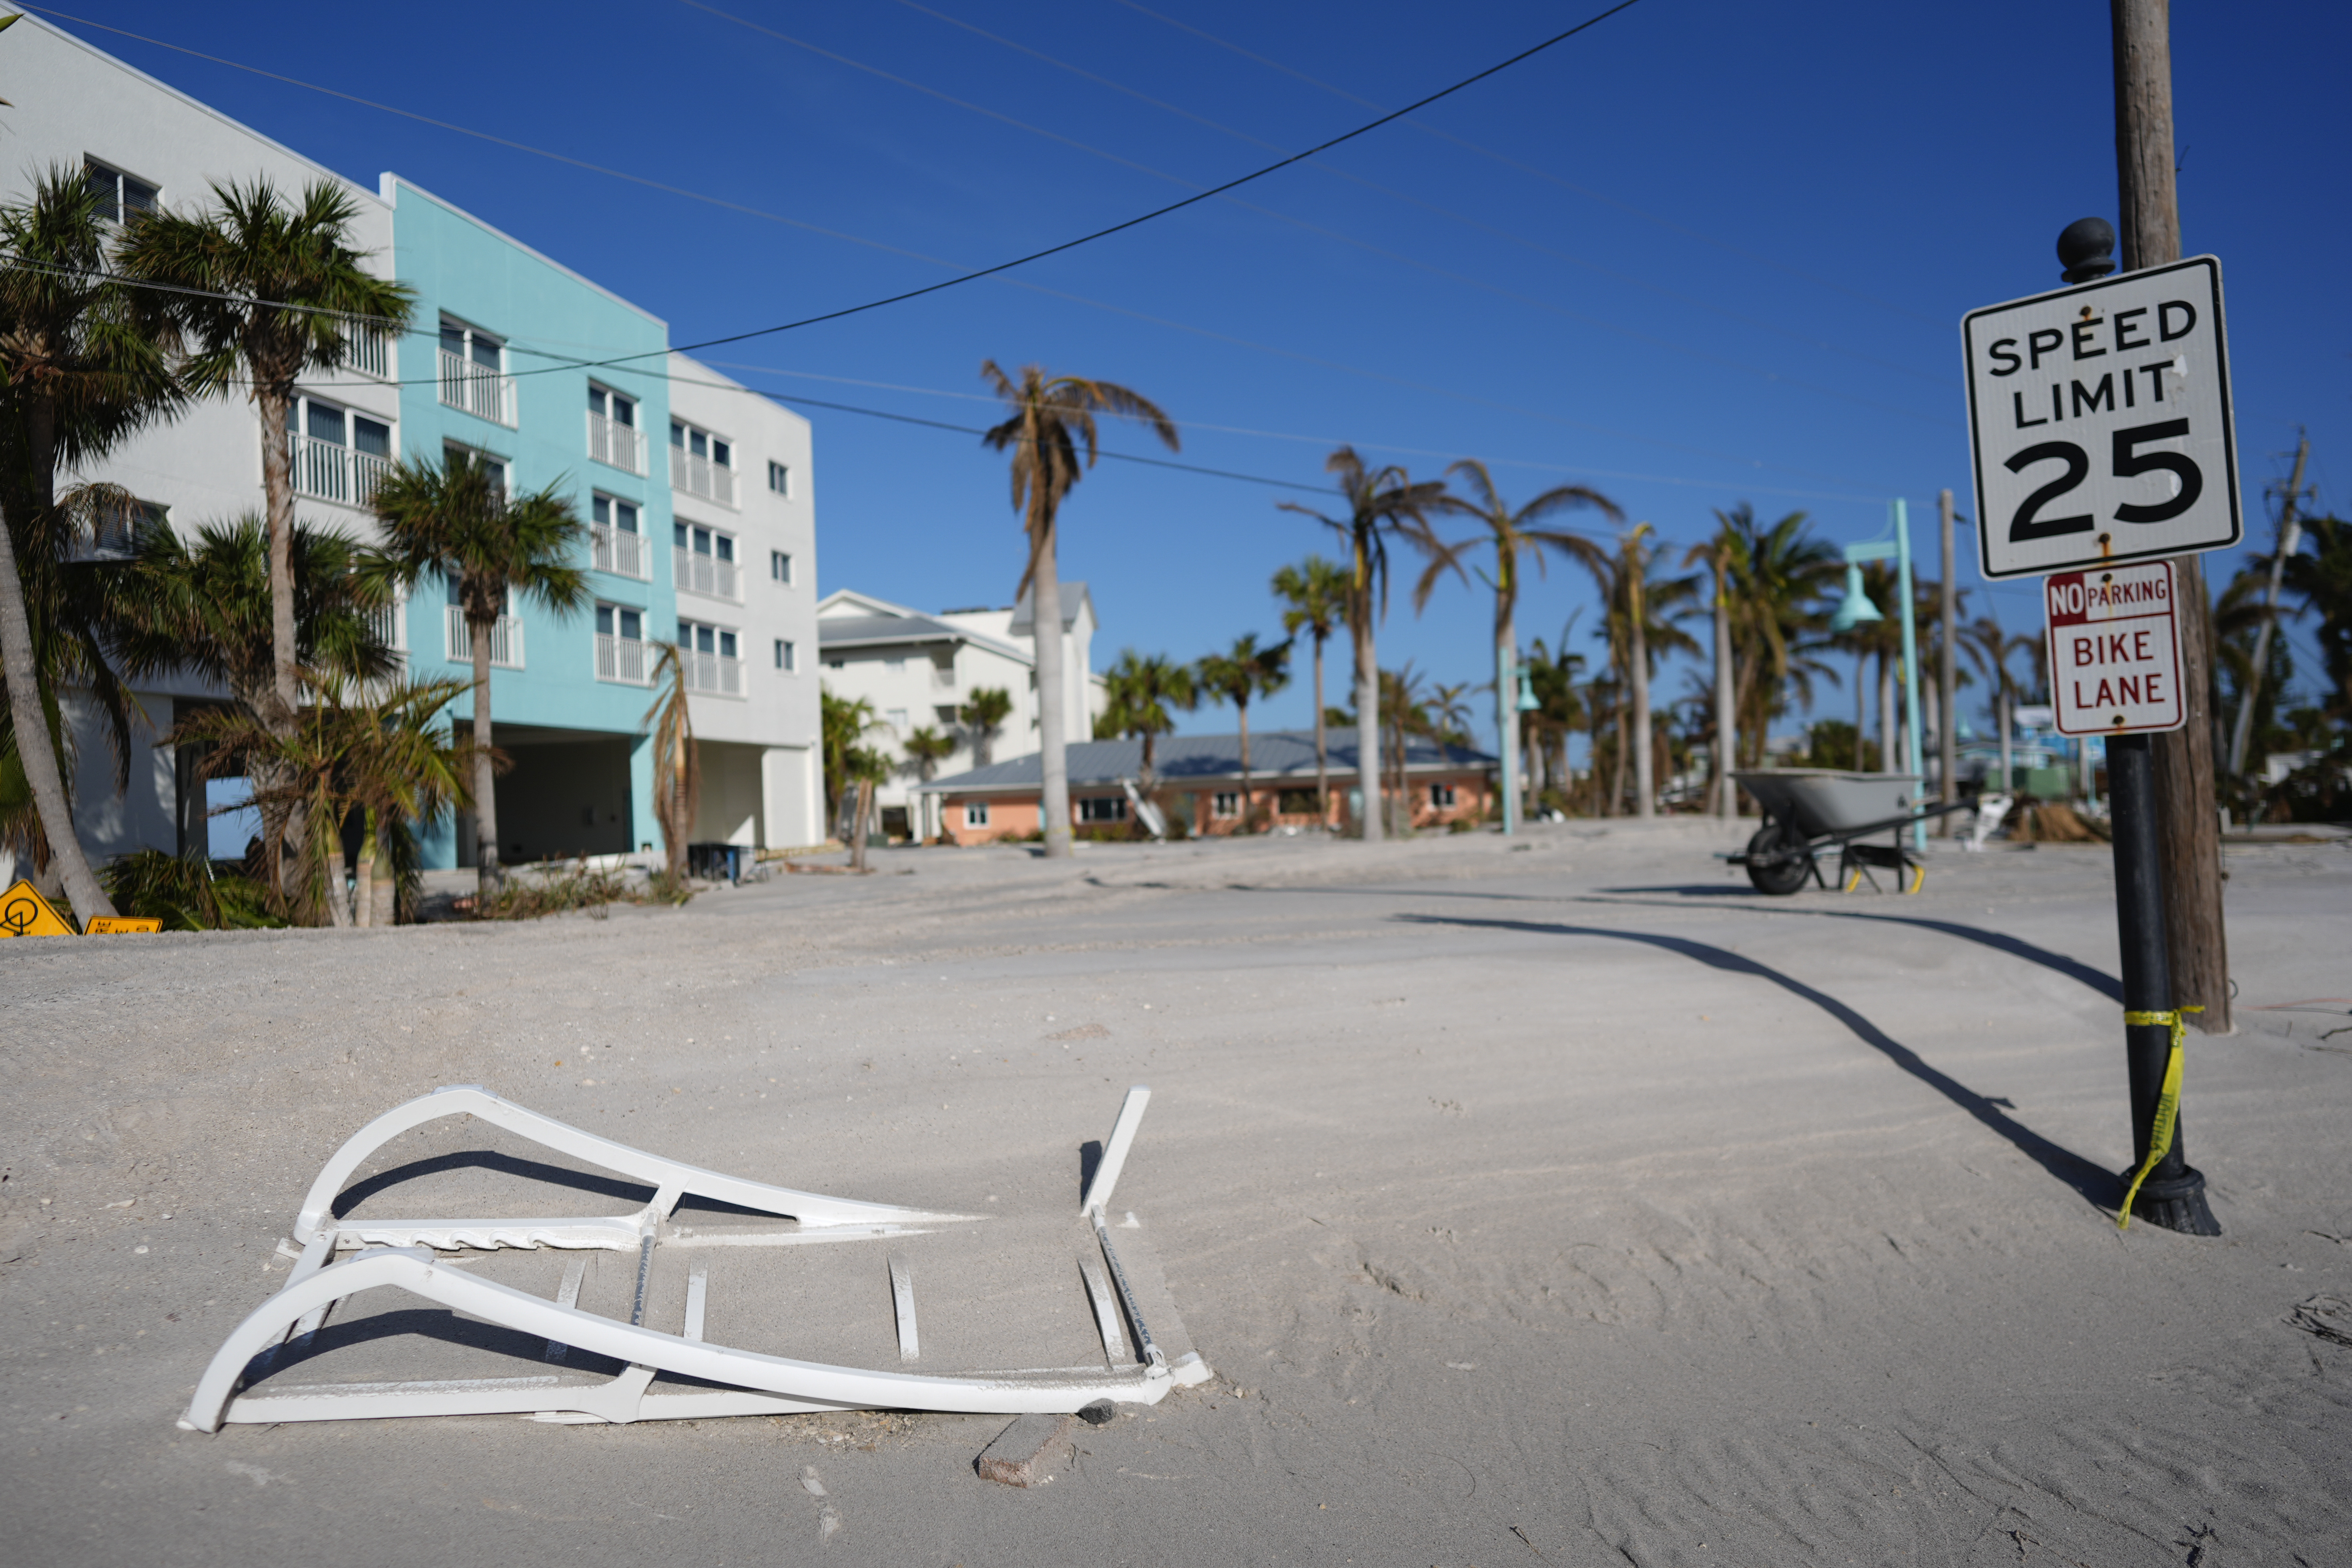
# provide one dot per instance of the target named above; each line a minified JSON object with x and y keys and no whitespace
{"x":368,"y":350}
{"x":701,"y":477}
{"x":506,"y":640}
{"x":622,"y":553}
{"x":332,"y":471}
{"x":621,"y":658}
{"x":477,"y":389}
{"x":707,"y":575}
{"x":616,"y":444}
{"x":713,"y":673}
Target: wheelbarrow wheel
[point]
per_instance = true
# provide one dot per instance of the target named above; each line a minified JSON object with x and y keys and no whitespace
{"x":1779,"y":877}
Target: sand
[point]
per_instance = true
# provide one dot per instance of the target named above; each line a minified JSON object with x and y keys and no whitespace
{"x":1557,"y":1204}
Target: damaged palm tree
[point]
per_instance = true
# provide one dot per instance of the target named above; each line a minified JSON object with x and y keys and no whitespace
{"x":677,"y":762}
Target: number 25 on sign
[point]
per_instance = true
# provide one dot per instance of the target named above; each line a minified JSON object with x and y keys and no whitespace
{"x":2099,"y":417}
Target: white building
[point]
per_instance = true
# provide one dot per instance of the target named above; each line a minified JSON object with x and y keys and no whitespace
{"x":917,"y":670}
{"x":80,"y":110}
{"x":743,"y":558}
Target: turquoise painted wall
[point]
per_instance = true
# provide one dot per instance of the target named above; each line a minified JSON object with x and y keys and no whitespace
{"x":549,"y":319}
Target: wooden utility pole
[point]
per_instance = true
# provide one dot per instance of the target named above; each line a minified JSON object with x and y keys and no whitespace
{"x":1948,"y":672}
{"x":2290,"y":534}
{"x":2190,"y":837}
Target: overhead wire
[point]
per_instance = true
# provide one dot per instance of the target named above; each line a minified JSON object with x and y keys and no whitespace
{"x":1406,"y":382}
{"x":1352,"y":177}
{"x":1323,"y":230}
{"x":1509,"y":161}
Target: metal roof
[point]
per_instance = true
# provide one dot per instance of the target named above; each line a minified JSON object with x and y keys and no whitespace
{"x":1283,"y":756}
{"x":860,"y":631}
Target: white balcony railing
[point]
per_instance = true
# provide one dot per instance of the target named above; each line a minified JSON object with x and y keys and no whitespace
{"x":477,"y":389}
{"x":707,"y":575}
{"x":506,"y":640}
{"x":701,"y":477}
{"x":612,"y":442}
{"x":332,"y":471}
{"x":711,"y":672}
{"x":620,"y":552}
{"x":368,"y":350}
{"x":620,"y":658}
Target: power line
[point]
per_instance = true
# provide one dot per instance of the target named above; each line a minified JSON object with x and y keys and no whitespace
{"x":1530,"y":169}
{"x":1049,"y":292}
{"x":1447,"y":213}
{"x":1325,"y":232}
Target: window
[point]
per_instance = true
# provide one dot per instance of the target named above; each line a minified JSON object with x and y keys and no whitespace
{"x":621,"y":644}
{"x":705,"y":561}
{"x":115,"y":526}
{"x":895,"y":666}
{"x":119,"y":195}
{"x":787,"y":655}
{"x":780,"y":479}
{"x":836,"y":664}
{"x":1441,"y":796}
{"x":975,"y":814}
{"x":473,"y":378}
{"x":707,"y":655}
{"x":612,"y":512}
{"x":1103,"y":808}
{"x":612,"y":435}
{"x":779,"y":567}
{"x":473,"y":345}
{"x":895,"y":717}
{"x":700,"y":463}
{"x":338,"y":454}
{"x":946,"y":712}
{"x":1225,"y":803}
{"x":451,"y":452}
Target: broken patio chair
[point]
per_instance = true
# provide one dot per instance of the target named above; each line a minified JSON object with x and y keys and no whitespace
{"x":1105,"y":1327}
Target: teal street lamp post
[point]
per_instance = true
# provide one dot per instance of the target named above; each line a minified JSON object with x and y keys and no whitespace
{"x":1856,"y":608}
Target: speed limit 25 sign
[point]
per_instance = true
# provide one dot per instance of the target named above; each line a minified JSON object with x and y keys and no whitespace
{"x":2100,"y":421}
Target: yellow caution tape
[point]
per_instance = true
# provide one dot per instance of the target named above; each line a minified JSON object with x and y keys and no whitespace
{"x":2167,"y":1103}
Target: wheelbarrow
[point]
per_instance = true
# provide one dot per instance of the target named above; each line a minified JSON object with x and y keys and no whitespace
{"x":1809,"y":810}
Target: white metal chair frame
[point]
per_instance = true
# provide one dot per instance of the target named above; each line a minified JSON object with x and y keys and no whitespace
{"x":402,"y":1253}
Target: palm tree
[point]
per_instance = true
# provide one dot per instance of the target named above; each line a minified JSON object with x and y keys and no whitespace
{"x":2320,"y":575}
{"x":204,"y":605}
{"x":984,"y":713}
{"x":1719,"y":555}
{"x":264,"y":292}
{"x":81,"y":367}
{"x":677,"y":762}
{"x":1642,"y":611}
{"x":1382,"y":502}
{"x":386,"y":756}
{"x":926,"y":748}
{"x":863,"y":767}
{"x":1559,"y":708}
{"x":1316,"y":592}
{"x":1778,"y":573}
{"x":1144,"y":691}
{"x":1449,"y":713}
{"x":843,"y":724}
{"x":1049,"y":419}
{"x":1990,"y":650}
{"x":1405,"y":712}
{"x":458,"y":522}
{"x":1513,"y":534}
{"x":1245,"y":672}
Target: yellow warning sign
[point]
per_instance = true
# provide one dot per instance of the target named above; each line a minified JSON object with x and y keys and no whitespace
{"x":120,"y":925}
{"x":24,"y":912}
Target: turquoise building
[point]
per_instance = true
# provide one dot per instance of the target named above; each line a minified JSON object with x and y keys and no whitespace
{"x":492,"y":366}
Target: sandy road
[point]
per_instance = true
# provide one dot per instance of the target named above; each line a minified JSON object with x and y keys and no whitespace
{"x":1565,"y":1205}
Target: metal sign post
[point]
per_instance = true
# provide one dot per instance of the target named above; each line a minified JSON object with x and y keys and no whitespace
{"x":2099,"y":421}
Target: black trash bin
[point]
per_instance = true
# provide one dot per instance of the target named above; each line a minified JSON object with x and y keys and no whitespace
{"x":715,"y":862}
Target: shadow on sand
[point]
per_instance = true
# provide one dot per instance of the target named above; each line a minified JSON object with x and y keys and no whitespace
{"x":2097,"y":1186}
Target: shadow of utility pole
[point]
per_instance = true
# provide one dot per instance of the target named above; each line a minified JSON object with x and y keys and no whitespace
{"x":2095,"y":1185}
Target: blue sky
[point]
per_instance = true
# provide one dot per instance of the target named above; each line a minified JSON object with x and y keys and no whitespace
{"x":1704,"y":252}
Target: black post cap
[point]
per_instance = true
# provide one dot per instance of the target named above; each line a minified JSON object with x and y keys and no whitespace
{"x":2087,"y":248}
